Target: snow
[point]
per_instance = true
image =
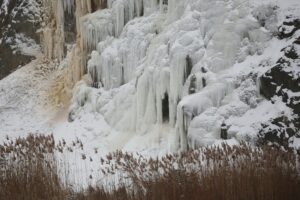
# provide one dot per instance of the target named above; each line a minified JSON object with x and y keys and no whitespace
{"x":142,"y":61}
{"x":4,"y":7}
{"x":22,"y":97}
{"x":25,"y":46}
{"x":296,"y":143}
{"x":250,"y":122}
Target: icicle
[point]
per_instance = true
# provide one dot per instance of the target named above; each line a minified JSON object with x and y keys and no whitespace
{"x":150,"y":112}
{"x":93,"y":67}
{"x":69,"y":5}
{"x":139,"y":8}
{"x":53,"y":33}
{"x":82,"y":8}
{"x":48,"y":43}
{"x":59,"y":32}
{"x":175,"y":9}
{"x":124,"y":11}
{"x":95,"y":28}
{"x":119,"y":17}
{"x":176,"y":83}
{"x":119,"y":58}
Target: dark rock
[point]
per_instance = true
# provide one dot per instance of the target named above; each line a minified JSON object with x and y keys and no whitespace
{"x":98,"y":4}
{"x":19,"y":19}
{"x":9,"y":61}
{"x":71,"y":116}
{"x":224,"y":131}
{"x":291,"y":52}
{"x":165,"y":108}
{"x":289,"y":28}
{"x":203,"y":70}
{"x":284,"y":79}
{"x":278,"y":132}
{"x":188,"y":67}
{"x":203,"y":82}
{"x":297,"y":41}
{"x":70,"y":27}
{"x":193,"y":84}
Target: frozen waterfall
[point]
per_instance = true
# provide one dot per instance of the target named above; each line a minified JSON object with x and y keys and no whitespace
{"x":167,"y":55}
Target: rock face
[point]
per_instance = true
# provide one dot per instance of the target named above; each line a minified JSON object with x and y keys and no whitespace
{"x":19,"y":22}
{"x":289,"y":28}
{"x":284,"y":78}
{"x":283,"y":81}
{"x":280,"y":131}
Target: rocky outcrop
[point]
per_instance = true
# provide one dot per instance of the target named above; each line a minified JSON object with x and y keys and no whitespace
{"x":19,"y":22}
{"x":289,"y":28}
{"x":283,"y":81}
{"x":279,"y":132}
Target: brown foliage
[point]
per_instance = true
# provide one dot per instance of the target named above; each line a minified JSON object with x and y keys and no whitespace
{"x":238,"y":172}
{"x":28,"y":170}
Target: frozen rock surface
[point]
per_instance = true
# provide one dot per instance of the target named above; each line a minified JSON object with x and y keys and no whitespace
{"x":282,"y":81}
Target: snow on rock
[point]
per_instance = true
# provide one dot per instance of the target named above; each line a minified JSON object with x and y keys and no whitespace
{"x":23,"y":100}
{"x":25,"y":46}
{"x":19,"y":41}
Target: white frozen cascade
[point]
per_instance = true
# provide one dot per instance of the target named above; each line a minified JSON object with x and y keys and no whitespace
{"x":173,"y":66}
{"x":97,"y":26}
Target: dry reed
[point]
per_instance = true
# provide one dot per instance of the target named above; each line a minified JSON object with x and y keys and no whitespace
{"x":28,"y":170}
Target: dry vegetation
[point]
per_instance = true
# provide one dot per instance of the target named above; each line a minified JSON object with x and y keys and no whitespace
{"x":29,"y":171}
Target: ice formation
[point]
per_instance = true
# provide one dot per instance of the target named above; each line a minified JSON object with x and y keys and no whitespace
{"x":53,"y":33}
{"x":165,"y":65}
{"x":96,"y":20}
{"x":170,"y":60}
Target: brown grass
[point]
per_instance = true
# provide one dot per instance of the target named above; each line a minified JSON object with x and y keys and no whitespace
{"x":238,"y":172}
{"x":28,"y":171}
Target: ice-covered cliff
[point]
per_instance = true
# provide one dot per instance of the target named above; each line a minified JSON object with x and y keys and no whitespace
{"x":165,"y":75}
{"x":186,"y":65}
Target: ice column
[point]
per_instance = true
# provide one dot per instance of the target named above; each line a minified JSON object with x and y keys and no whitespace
{"x":53,"y":33}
